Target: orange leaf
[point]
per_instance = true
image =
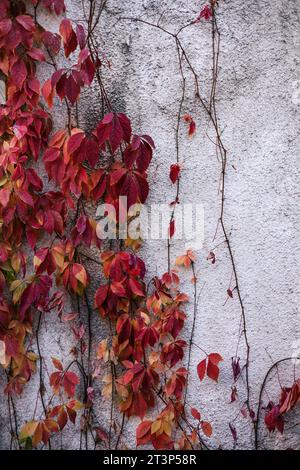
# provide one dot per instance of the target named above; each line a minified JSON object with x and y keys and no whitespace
{"x":48,"y":93}
{"x":143,"y":433}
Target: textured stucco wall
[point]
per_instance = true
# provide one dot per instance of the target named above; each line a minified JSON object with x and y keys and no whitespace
{"x":258,"y":108}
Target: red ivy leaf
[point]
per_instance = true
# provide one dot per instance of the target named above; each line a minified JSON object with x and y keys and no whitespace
{"x":62,"y":418}
{"x":274,"y":419}
{"x":136,"y":288}
{"x":48,"y":93}
{"x":72,"y":88}
{"x":91,"y":151}
{"x":113,"y":129}
{"x":36,"y":54}
{"x":25,"y":197}
{"x":172,"y":228}
{"x":101,"y":295}
{"x":212,"y":366}
{"x":206,"y":428}
{"x":26,"y":21}
{"x":130,"y":183}
{"x":192,"y":125}
{"x":233,"y":394}
{"x":139,"y":152}
{"x":4,"y":197}
{"x":101,"y":434}
{"x":51,"y":41}
{"x":19,"y":73}
{"x":236,"y":369}
{"x":233,"y":431}
{"x":205,"y":13}
{"x":215,"y":358}
{"x":192,"y":128}
{"x":75,"y":141}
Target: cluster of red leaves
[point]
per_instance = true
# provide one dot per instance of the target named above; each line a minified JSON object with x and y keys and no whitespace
{"x":28,"y":212}
{"x":290,"y":397}
{"x":70,"y":158}
{"x":58,"y":6}
{"x":159,"y":431}
{"x":66,"y":154}
{"x":174,"y":172}
{"x":25,"y":210}
{"x":36,"y":431}
{"x":68,"y":82}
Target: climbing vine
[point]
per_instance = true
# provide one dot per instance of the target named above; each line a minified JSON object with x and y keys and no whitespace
{"x":144,"y":363}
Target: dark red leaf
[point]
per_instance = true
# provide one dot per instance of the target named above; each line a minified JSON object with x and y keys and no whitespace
{"x":201,"y":369}
{"x":172,"y":228}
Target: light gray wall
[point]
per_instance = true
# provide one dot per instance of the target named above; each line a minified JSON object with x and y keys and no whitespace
{"x":258,"y":106}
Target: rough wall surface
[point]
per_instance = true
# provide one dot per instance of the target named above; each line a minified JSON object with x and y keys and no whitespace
{"x":258,"y":109}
